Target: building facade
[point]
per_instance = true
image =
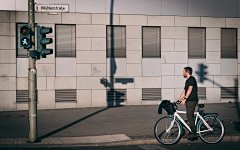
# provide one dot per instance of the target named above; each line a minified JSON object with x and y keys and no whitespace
{"x":123,"y":52}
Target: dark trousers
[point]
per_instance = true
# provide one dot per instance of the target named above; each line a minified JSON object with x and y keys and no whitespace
{"x":190,"y":115}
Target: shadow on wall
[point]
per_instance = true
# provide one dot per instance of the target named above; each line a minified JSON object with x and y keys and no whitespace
{"x":202,"y":73}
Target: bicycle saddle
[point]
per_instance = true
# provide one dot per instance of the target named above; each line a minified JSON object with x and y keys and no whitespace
{"x":200,"y":105}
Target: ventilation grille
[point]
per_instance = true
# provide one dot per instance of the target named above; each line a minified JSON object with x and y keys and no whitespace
{"x":229,"y":92}
{"x":65,"y":96}
{"x":151,"y":94}
{"x":116,"y":95}
{"x":202,"y":93}
{"x":22,"y":96}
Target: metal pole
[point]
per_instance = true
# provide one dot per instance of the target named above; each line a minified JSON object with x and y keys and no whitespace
{"x":32,"y":98}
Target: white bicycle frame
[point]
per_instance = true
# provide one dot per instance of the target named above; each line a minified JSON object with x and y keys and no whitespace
{"x":183,"y":122}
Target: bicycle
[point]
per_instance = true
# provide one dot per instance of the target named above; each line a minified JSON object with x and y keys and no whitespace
{"x":168,"y":130}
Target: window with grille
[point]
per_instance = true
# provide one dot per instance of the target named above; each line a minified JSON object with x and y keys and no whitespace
{"x":151,"y":42}
{"x":229,"y":92}
{"x":21,"y":52}
{"x":116,"y":94}
{"x":22,"y":96}
{"x":228,"y":43}
{"x":196,"y":42}
{"x":65,"y":40}
{"x":150,"y":94}
{"x":201,"y":93}
{"x":65,"y":95}
{"x":116,"y":42}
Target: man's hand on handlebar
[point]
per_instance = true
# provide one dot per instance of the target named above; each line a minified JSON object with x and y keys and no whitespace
{"x":182,"y":101}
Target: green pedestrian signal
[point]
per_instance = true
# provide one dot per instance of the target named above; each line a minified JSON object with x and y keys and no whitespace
{"x":25,"y":36}
{"x":42,"y":41}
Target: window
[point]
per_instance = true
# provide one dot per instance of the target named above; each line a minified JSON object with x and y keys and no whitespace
{"x":229,"y":92}
{"x":228,"y":43}
{"x":65,"y":96}
{"x":151,"y":42}
{"x":116,"y":42}
{"x":196,"y":42}
{"x":21,"y":52}
{"x":65,"y":41}
{"x":151,"y":94}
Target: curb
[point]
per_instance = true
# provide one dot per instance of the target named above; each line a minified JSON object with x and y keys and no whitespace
{"x":22,"y":142}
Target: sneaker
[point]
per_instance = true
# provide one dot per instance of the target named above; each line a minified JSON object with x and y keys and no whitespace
{"x":193,"y":137}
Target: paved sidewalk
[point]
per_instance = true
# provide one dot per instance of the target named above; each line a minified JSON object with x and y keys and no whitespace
{"x":87,"y":126}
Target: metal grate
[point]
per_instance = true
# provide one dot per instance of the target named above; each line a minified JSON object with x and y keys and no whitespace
{"x":151,"y":94}
{"x":22,"y":96}
{"x":228,"y":43}
{"x":229,"y":92}
{"x":116,"y":95}
{"x":202,"y":93}
{"x":65,"y":96}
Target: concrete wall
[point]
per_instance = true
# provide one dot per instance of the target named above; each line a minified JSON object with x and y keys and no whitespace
{"x":86,"y":72}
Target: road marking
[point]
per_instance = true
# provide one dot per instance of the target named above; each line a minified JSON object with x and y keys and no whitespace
{"x":152,"y":147}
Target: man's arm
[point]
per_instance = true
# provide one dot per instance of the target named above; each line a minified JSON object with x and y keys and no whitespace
{"x":189,"y":91}
{"x":182,"y":95}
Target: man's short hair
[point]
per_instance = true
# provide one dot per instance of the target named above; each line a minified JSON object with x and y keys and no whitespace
{"x":189,"y":70}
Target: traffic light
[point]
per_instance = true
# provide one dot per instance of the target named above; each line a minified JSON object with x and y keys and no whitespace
{"x":42,"y":41}
{"x":25,"y":36}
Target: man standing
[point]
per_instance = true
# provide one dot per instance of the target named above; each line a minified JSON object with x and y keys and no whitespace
{"x":190,"y":97}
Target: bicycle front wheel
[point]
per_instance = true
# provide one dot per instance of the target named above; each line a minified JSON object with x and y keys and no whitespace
{"x":214,"y":136}
{"x":164,"y":134}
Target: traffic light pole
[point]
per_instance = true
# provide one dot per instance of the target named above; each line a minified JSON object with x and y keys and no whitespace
{"x":32,"y":96}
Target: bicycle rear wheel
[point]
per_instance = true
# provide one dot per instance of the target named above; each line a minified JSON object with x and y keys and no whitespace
{"x":162,"y":135}
{"x":214,"y":136}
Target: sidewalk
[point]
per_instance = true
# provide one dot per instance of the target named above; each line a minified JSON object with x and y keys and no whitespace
{"x":102,"y":126}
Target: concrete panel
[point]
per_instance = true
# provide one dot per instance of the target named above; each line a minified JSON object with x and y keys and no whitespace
{"x":91,"y":31}
{"x":179,"y":69}
{"x":69,"y":18}
{"x":91,"y":56}
{"x":99,"y":70}
{"x":10,"y":5}
{"x":22,"y":106}
{"x":8,"y":29}
{"x":152,"y":7}
{"x":168,"y":94}
{"x":22,"y":83}
{"x":7,"y":70}
{"x":7,"y":56}
{"x":8,"y":100}
{"x":46,"y":70}
{"x":7,"y":42}
{"x":133,"y":20}
{"x":65,"y":82}
{"x":22,"y":16}
{"x":84,"y":98}
{"x":134,"y":96}
{"x":64,"y":105}
{"x":187,"y":21}
{"x":181,"y":45}
{"x":134,"y":44}
{"x":167,"y":45}
{"x":217,"y":81}
{"x":213,"y":57}
{"x":148,"y":69}
{"x":84,"y":44}
{"x":160,"y":20}
{"x":99,"y":44}
{"x":167,"y":69}
{"x":213,"y":45}
{"x":119,"y":66}
{"x":50,"y":83}
{"x":134,"y":57}
{"x":101,"y":19}
{"x":46,"y":18}
{"x":148,"y":82}
{"x":90,"y":83}
{"x":213,"y":33}
{"x":212,"y":8}
{"x":229,"y":67}
{"x":173,"y":81}
{"x":213,"y":95}
{"x":4,"y":16}
{"x":232,"y":22}
{"x":174,"y":33}
{"x":134,"y":70}
{"x":133,"y":32}
{"x":207,"y":82}
{"x":84,"y":70}
{"x":229,"y":81}
{"x":213,"y":69}
{"x":196,"y":65}
{"x":213,"y":22}
{"x":122,"y":82}
{"x":174,"y":7}
{"x":22,"y":67}
{"x":46,"y":99}
{"x":174,"y":57}
{"x":12,"y":16}
{"x":93,"y":6}
{"x":83,"y":18}
{"x":41,"y":83}
{"x":22,"y":5}
{"x":178,"y":92}
{"x":66,"y":67}
{"x":99,"y":98}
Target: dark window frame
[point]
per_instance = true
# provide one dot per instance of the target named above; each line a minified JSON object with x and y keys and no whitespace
{"x":236,"y":54}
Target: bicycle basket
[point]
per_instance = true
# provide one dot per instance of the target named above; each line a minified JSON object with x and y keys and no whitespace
{"x":170,"y":108}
